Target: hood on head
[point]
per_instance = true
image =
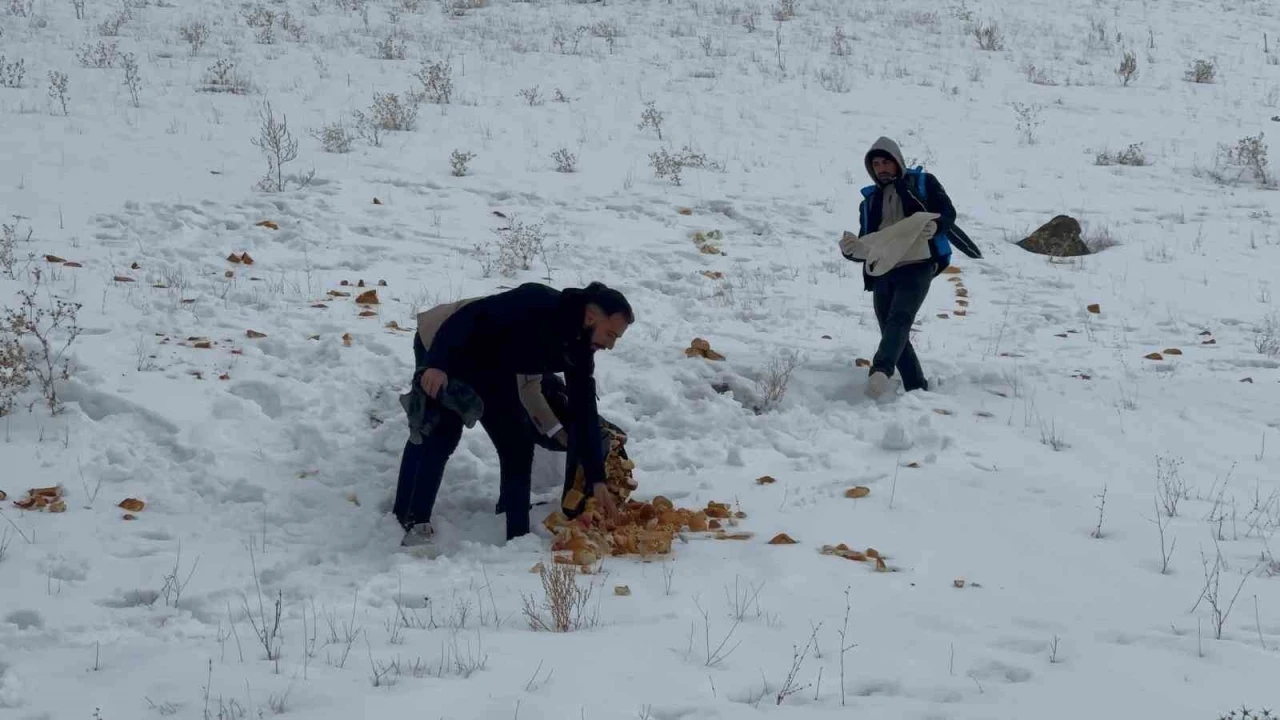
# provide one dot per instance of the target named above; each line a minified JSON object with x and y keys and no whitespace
{"x":884,"y":146}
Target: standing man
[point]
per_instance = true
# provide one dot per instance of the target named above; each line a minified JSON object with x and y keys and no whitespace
{"x":484,"y":345}
{"x":906,"y":230}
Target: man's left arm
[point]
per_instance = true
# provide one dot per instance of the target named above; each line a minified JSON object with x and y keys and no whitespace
{"x":937,"y":201}
{"x":584,"y":421}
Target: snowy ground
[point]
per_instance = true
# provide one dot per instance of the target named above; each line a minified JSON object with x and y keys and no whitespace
{"x":267,"y":464}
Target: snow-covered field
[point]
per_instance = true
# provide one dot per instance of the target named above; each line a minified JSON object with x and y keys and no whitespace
{"x":1109,"y":514}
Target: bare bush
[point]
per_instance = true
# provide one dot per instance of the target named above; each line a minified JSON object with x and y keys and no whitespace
{"x":1250,"y":153}
{"x":100,"y":55}
{"x":988,"y":36}
{"x":110,"y":27}
{"x":609,"y":32}
{"x":1202,"y":72}
{"x":1166,"y":548}
{"x":1247,"y":157}
{"x":840,"y":45}
{"x":262,"y":20}
{"x":1133,"y":156}
{"x":1266,"y":339}
{"x":334,"y":138}
{"x":1038,"y":76}
{"x":12,"y":73}
{"x":1245,"y":713}
{"x":59,"y":90}
{"x":834,"y":79}
{"x":784,"y":10}
{"x":51,"y":331}
{"x":1170,"y":485}
{"x":9,"y":237}
{"x":671,"y":166}
{"x":568,"y":42}
{"x":566,"y":162}
{"x":292,"y":26}
{"x":458,"y":162}
{"x":1028,"y":121}
{"x":389,"y":112}
{"x":792,"y":685}
{"x":437,"y":81}
{"x":651,"y":117}
{"x":278,"y":145}
{"x":14,"y":371}
{"x":132,"y":77}
{"x":565,"y":604}
{"x":195,"y":34}
{"x":1219,"y":606}
{"x":392,"y":47}
{"x":1128,"y":70}
{"x":266,"y":626}
{"x":776,"y":377}
{"x":224,"y":77}
{"x":519,"y":245}
{"x":532,"y":96}
{"x":1099,"y":239}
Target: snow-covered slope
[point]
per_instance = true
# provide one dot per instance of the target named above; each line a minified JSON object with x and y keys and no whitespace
{"x":1043,"y":470}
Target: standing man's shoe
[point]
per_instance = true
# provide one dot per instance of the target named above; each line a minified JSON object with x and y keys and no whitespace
{"x":418,"y":535}
{"x":877,"y":385}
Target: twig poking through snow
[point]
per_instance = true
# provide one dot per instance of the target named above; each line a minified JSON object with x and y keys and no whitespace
{"x":846,"y":646}
{"x":266,"y":629}
{"x":798,"y":656}
{"x":1211,"y":591}
{"x":1166,"y":552}
{"x":1257,"y":622}
{"x":534,"y":683}
{"x":1102,"y":511}
{"x":15,"y":527}
{"x":718,"y":654}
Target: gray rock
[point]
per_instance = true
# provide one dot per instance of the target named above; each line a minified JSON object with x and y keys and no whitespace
{"x":1060,"y":237}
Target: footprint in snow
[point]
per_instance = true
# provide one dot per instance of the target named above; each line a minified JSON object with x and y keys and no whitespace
{"x":25,"y":619}
{"x":997,"y":671}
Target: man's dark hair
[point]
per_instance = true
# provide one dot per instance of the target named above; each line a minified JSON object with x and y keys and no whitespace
{"x":610,"y":301}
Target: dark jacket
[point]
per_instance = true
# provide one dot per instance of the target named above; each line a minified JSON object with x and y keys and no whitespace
{"x":936,"y":200}
{"x":529,"y":330}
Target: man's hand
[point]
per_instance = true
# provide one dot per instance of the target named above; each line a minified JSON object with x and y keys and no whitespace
{"x":604,"y":501}
{"x":433,"y":381}
{"x":929,"y":230}
{"x":561,"y":437}
{"x":847,"y":243}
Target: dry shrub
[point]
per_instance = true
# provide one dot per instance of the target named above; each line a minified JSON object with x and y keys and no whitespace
{"x":565,"y":603}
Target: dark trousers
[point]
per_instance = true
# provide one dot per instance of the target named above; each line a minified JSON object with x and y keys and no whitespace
{"x":897,"y":296}
{"x":505,"y":422}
